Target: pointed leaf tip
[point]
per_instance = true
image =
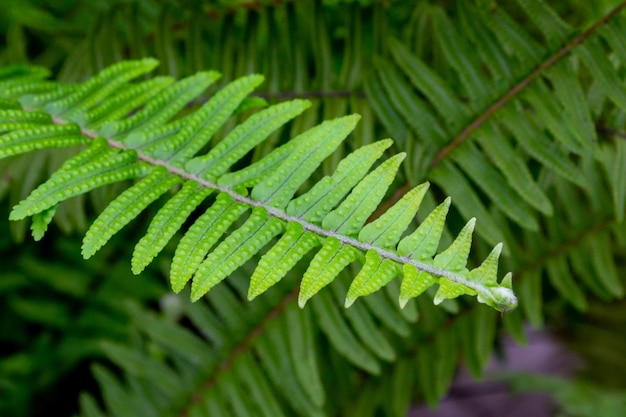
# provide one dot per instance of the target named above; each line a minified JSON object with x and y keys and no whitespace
{"x":251,"y":295}
{"x":439,"y":298}
{"x":195,"y":294}
{"x":507,"y":281}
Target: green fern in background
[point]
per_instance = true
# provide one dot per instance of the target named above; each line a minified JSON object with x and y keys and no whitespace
{"x":514,"y":109}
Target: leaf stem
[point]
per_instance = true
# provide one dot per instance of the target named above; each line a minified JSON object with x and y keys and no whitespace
{"x":346,"y":240}
{"x":478,"y":122}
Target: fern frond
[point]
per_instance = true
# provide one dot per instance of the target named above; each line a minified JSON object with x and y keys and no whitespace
{"x":160,"y":150}
{"x":550,"y":91}
{"x":460,"y":128}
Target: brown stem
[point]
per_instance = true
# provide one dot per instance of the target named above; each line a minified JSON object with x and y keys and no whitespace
{"x":227,"y":363}
{"x":505,"y":99}
{"x":478,"y":122}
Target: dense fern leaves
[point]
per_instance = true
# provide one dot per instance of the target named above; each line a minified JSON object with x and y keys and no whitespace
{"x":511,"y":119}
{"x":151,"y":144}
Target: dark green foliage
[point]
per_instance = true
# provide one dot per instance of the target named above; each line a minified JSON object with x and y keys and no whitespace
{"x":515,"y":109}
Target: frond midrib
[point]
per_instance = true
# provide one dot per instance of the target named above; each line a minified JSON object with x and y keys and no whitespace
{"x":346,"y":240}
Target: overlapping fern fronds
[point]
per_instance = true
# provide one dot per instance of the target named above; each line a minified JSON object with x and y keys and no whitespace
{"x":133,"y":132}
{"x":514,"y":128}
{"x":483,"y":61}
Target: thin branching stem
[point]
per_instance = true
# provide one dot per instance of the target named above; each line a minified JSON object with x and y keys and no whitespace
{"x":513,"y":92}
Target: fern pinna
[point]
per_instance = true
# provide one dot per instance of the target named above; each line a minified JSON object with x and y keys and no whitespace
{"x":135,"y":131}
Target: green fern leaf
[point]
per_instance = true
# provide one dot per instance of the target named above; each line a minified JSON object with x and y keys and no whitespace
{"x":142,"y":366}
{"x":162,"y":107}
{"x":331,"y":259}
{"x":255,"y":173}
{"x":514,"y":168}
{"x":384,"y":232}
{"x":454,"y":259}
{"x":8,"y":104}
{"x":18,"y":71}
{"x":422,"y":246}
{"x":376,"y":273}
{"x":117,"y":167}
{"x":260,"y":391}
{"x":488,"y":270}
{"x":18,"y":116}
{"x":200,"y":127}
{"x":604,"y":265}
{"x":456,"y":184}
{"x":167,"y":222}
{"x":466,"y":65}
{"x":569,"y":91}
{"x":414,"y":110}
{"x":365,"y":326}
{"x":313,"y":147}
{"x":28,"y":139}
{"x":554,"y":29}
{"x":340,"y":335}
{"x":18,"y":80}
{"x":203,"y":234}
{"x":602,"y":70}
{"x":41,"y":221}
{"x":414,"y":283}
{"x":433,"y":87}
{"x":159,"y":148}
{"x":27,"y":87}
{"x":236,"y":249}
{"x":491,"y":51}
{"x":478,"y":168}
{"x":142,"y":140}
{"x":353,"y":212}
{"x":122,"y":103}
{"x":99,"y":87}
{"x":244,"y":137}
{"x":281,"y":258}
{"x":314,"y":205}
{"x":303,"y":355}
{"x":39,"y":94}
{"x":561,"y":278}
{"x":98,"y":148}
{"x":125,"y":208}
{"x":613,"y":159}
{"x":347,"y":219}
{"x":513,"y":37}
{"x":550,"y":113}
{"x":548,"y":153}
{"x":486,"y":273}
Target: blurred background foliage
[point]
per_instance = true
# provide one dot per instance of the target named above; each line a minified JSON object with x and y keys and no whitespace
{"x":541,"y":161}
